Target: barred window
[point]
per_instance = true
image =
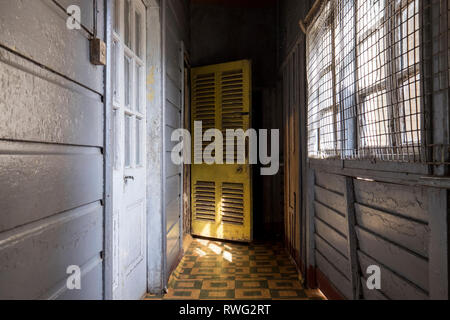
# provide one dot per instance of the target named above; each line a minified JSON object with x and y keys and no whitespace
{"x":363,"y":69}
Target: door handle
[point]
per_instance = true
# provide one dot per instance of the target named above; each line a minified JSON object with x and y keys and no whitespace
{"x":126,"y":178}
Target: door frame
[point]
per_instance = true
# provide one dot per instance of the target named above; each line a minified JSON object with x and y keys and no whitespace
{"x":165,"y":271}
{"x":157,"y":275}
{"x":108,"y":158}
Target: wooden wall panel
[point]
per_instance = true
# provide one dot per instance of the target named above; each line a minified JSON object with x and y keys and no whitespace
{"x":400,"y":260}
{"x":331,"y":199}
{"x":331,"y":182}
{"x":411,"y":234}
{"x":35,"y":106}
{"x":393,"y":286}
{"x":337,"y":279}
{"x":372,"y":294}
{"x":338,"y":240}
{"x":91,"y":284}
{"x":34,"y":258}
{"x":333,"y":218}
{"x":66,"y":181}
{"x":392,"y":232}
{"x":408,"y":201}
{"x":340,"y":261}
{"x":37,"y":29}
{"x":51,"y":152}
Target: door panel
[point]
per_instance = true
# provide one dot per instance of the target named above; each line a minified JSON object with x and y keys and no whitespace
{"x":293,"y":157}
{"x":129,"y":177}
{"x":221,"y":197}
{"x":134,"y":245}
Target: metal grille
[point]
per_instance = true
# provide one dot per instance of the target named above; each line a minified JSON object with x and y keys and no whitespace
{"x":364,"y":84}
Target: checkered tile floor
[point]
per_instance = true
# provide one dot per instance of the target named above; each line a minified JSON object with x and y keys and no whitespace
{"x":226,"y":271}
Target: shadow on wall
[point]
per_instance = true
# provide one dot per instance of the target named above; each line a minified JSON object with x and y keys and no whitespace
{"x":222,"y":33}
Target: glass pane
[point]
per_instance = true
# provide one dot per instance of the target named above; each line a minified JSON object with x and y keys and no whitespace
{"x":372,"y":59}
{"x":410,"y":111}
{"x":375,"y":121}
{"x":138,"y":142}
{"x":127,"y":24}
{"x":138,"y":33}
{"x":127,"y":141}
{"x":115,"y":140}
{"x":138,"y":87}
{"x":408,"y":36}
{"x":117,"y":16}
{"x":370,"y":14}
{"x":115,"y":52}
{"x":127,"y":80}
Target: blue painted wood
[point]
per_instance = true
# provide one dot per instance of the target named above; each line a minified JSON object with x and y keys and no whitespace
{"x":34,"y":257}
{"x":51,"y":159}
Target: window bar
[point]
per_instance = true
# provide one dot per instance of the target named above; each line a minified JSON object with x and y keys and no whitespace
{"x":333,"y":71}
{"x":387,"y":107}
{"x":425,"y":80}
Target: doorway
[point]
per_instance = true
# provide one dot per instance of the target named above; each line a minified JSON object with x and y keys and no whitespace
{"x":221,"y":173}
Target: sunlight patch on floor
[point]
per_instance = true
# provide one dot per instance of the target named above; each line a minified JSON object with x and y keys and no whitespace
{"x":213,"y":270}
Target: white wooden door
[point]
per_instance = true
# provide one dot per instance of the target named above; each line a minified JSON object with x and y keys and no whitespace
{"x":129,"y":185}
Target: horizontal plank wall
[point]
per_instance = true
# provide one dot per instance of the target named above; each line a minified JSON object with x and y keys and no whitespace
{"x":401,"y":229}
{"x":393,"y":233}
{"x":51,"y":152}
{"x":331,"y":232}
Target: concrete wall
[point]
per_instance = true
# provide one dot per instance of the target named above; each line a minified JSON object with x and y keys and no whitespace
{"x":51,"y":152}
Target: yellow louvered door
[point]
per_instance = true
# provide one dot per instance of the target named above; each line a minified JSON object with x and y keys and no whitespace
{"x":222,"y":193}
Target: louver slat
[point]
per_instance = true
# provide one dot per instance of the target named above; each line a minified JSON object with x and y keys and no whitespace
{"x":205,"y":200}
{"x":233,"y":203}
{"x":204,"y":102}
{"x":232,"y":85}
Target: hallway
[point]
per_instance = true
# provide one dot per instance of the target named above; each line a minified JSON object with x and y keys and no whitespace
{"x":309,"y":139}
{"x":223,"y":270}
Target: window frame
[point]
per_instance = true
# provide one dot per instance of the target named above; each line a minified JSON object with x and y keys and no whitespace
{"x":396,"y":78}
